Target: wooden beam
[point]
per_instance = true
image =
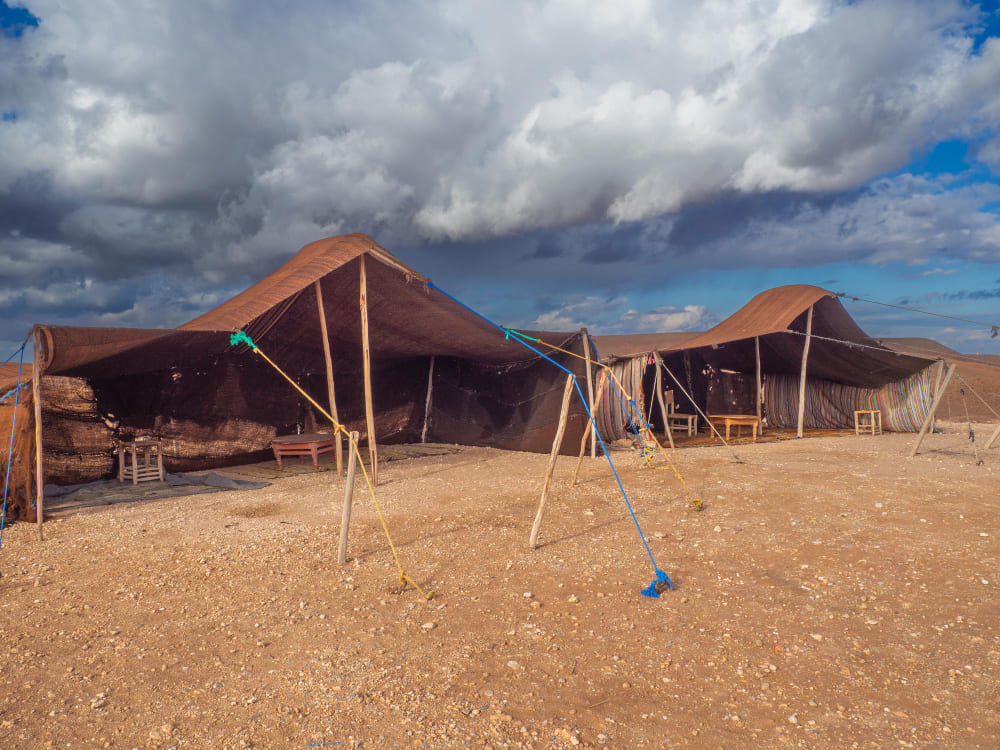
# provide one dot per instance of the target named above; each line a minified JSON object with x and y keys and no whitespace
{"x":345,"y":516}
{"x":556,"y":445}
{"x":930,"y":415}
{"x":993,"y":438}
{"x":366,"y":360}
{"x":669,"y":433}
{"x":427,"y":401}
{"x":36,"y":397}
{"x":602,"y":380}
{"x":590,"y":388}
{"x":329,"y":376}
{"x":758,"y":385}
{"x":802,"y":376}
{"x":937,"y":387}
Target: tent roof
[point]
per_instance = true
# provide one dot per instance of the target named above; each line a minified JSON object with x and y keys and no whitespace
{"x":628,"y":345}
{"x":407,"y":318}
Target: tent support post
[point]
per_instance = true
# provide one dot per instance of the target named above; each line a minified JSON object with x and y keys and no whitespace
{"x":667,"y":432}
{"x":345,"y":517}
{"x":802,"y":376}
{"x":758,"y":385}
{"x":427,"y":401}
{"x":556,"y":445}
{"x":930,"y":415}
{"x":602,"y":380}
{"x":366,"y":360}
{"x":36,"y":397}
{"x":993,"y":438}
{"x":330,"y":391}
{"x":590,"y":388}
{"x":937,"y":387}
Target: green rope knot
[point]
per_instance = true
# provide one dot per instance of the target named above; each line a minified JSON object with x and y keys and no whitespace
{"x":240,"y":337}
{"x":520,"y":335}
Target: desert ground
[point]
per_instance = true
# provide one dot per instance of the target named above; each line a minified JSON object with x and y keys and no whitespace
{"x":832,"y":594}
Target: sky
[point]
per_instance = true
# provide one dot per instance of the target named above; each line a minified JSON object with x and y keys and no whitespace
{"x":629,"y":166}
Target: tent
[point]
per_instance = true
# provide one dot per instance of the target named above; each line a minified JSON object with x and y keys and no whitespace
{"x":422,"y":366}
{"x":786,"y":342}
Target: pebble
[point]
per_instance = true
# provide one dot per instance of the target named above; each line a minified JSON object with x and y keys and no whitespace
{"x":573,"y":599}
{"x":513,"y":664}
{"x":429,"y":625}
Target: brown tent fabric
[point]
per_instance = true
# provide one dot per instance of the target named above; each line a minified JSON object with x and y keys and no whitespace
{"x":628,"y":345}
{"x":213,"y":403}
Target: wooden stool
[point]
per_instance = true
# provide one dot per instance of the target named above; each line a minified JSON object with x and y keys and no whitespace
{"x":868,"y":420}
{"x":140,"y":461}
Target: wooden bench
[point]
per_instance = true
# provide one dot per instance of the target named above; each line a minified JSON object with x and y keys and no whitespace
{"x":738,"y":421}
{"x":306,"y":444}
{"x":868,"y":420}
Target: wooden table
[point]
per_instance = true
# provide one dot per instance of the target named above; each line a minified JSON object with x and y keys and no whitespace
{"x":738,"y":421}
{"x":868,"y":420}
{"x":140,"y":461}
{"x":306,"y":444}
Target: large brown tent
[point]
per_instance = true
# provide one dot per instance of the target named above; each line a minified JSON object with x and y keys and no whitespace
{"x":438,"y":371}
{"x":846,"y":369}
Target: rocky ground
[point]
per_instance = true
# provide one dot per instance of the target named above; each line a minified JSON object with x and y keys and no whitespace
{"x":833,"y":594}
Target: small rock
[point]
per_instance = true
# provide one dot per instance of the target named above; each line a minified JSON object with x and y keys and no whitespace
{"x":429,"y":625}
{"x":573,"y":599}
{"x":718,"y":529}
{"x":527,"y":595}
{"x":513,"y":664}
{"x":793,"y":719}
{"x":816,"y":636}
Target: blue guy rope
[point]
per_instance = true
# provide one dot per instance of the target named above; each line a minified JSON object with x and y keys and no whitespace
{"x":661,"y":580}
{"x":10,"y":453}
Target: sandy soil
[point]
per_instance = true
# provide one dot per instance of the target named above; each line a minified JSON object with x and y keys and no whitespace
{"x":833,"y":594}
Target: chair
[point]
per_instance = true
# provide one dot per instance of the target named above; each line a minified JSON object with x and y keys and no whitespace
{"x":676,"y":421}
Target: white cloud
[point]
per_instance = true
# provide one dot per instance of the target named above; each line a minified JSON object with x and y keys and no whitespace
{"x":614,"y":315}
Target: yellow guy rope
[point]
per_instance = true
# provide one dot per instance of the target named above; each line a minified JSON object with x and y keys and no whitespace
{"x":696,"y":502}
{"x":403,"y":578}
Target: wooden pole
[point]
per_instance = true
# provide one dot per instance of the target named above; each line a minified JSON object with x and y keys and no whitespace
{"x":602,"y":379}
{"x":329,"y":376}
{"x":668,"y":433}
{"x":36,"y":397}
{"x":802,"y":377}
{"x":427,"y":401}
{"x":590,"y":389}
{"x":930,"y":415}
{"x":366,"y":359}
{"x":993,"y":437}
{"x":556,"y":445}
{"x":937,"y":387}
{"x":345,"y":517}
{"x":758,"y":385}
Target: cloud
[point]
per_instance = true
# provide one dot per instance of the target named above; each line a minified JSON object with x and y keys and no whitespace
{"x":614,"y":315}
{"x":200,"y":144}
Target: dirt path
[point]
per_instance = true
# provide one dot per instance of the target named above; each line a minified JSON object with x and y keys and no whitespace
{"x":833,"y":594}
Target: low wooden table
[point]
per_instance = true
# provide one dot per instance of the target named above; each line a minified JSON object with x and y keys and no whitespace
{"x":306,"y":444}
{"x":140,"y":461}
{"x":868,"y":420}
{"x":738,"y":421}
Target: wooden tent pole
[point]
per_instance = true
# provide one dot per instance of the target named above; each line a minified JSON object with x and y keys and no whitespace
{"x":668,"y":433}
{"x":366,"y":360}
{"x":36,"y":397}
{"x":427,"y":401}
{"x":345,"y":516}
{"x":590,"y":389}
{"x":758,"y":385}
{"x":602,"y":380}
{"x":937,"y":387}
{"x":802,"y":376}
{"x":993,"y":438}
{"x":331,"y":394}
{"x":930,"y":415}
{"x":556,"y":445}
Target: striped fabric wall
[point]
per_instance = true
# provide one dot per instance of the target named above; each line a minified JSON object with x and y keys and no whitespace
{"x":613,"y":413}
{"x":904,"y":404}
